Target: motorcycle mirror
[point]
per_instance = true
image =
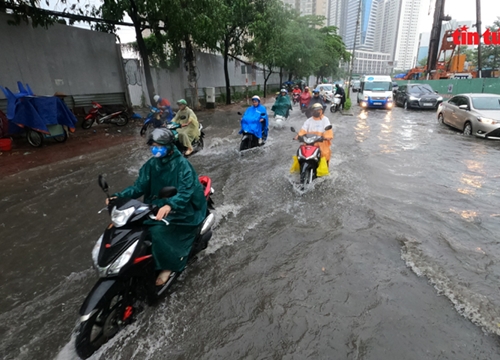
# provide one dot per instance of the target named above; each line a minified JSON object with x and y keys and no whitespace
{"x":167,"y":192}
{"x":103,"y":184}
{"x":293,"y":129}
{"x":329,"y":127}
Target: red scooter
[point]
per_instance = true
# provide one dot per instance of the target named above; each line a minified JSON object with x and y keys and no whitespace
{"x":119,"y":118}
{"x":309,"y":155}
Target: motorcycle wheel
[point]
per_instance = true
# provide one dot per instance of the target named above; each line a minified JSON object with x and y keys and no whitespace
{"x":101,"y":326}
{"x":306,"y":177}
{"x":87,"y":124}
{"x":332,"y":109}
{"x":34,"y":138}
{"x":122,"y":120}
{"x":61,"y":138}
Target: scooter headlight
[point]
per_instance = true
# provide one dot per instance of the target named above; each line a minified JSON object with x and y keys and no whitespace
{"x":95,"y":250}
{"x":120,"y":217}
{"x":309,"y":140}
{"x":122,"y":260}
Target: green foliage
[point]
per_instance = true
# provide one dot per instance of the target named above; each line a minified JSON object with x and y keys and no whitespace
{"x":347,"y":104}
{"x":423,"y":62}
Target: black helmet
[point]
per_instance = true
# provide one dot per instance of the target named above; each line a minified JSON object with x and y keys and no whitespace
{"x":161,"y":136}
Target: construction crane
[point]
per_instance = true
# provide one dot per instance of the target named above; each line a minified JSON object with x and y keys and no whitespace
{"x":439,"y":17}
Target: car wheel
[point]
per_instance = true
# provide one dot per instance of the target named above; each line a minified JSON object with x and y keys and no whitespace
{"x":405,"y":105}
{"x":467,"y":129}
{"x":441,"y":118}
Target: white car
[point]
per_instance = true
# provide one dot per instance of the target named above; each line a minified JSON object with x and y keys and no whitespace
{"x":327,"y":90}
{"x":474,"y":114}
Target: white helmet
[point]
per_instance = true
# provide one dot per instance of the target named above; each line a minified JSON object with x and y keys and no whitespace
{"x":156,"y":98}
{"x":255,"y":97}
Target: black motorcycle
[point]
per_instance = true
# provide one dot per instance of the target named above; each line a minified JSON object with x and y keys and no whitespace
{"x":249,"y":140}
{"x":124,"y":262}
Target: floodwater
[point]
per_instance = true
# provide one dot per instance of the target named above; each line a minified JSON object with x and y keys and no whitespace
{"x":394,"y":255}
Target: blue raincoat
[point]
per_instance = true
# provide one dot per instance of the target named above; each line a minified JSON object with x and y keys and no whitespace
{"x":250,"y":122}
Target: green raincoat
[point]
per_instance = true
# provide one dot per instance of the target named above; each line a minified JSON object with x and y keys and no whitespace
{"x":192,"y":131}
{"x":171,"y":243}
{"x":282,"y":106}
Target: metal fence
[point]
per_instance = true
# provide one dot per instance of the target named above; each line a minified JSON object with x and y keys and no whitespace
{"x":237,"y":93}
{"x":450,"y":87}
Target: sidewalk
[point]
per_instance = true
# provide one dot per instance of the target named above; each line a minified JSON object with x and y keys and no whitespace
{"x":23,"y":156}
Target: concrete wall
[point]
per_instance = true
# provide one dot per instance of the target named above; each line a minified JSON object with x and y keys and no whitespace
{"x":61,"y":58}
{"x":173,"y":84}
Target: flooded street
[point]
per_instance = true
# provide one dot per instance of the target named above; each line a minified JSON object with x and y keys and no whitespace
{"x":393,"y":256}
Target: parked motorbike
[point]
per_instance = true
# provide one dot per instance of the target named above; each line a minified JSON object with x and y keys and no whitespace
{"x":335,"y":106}
{"x":124,"y":262}
{"x":197,"y":144}
{"x":119,"y":118}
{"x":308,"y":156}
{"x":249,"y":140}
{"x":296,"y":98}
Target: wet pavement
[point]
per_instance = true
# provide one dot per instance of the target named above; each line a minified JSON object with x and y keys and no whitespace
{"x":392,"y":256}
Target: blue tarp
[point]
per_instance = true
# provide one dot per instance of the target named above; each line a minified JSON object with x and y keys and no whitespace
{"x":38,"y":112}
{"x":399,"y":76}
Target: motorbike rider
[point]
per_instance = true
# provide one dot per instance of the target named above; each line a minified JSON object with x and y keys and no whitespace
{"x":190,"y":127}
{"x":316,"y":125}
{"x":185,"y":211}
{"x":296,"y":90}
{"x":254,"y":122}
{"x":340,"y":91}
{"x":305,"y":98}
{"x":316,"y":99}
{"x":164,"y":106}
{"x":282,"y":105}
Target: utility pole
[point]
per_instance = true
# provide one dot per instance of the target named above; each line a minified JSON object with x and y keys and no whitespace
{"x":436,"y":36}
{"x":478,"y":28}
{"x":353,"y":51}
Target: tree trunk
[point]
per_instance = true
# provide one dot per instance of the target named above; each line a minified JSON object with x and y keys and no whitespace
{"x":226,"y":71}
{"x":142,"y":51}
{"x":192,"y":77}
{"x":281,"y":76}
{"x":266,"y":78}
{"x":290,"y":76}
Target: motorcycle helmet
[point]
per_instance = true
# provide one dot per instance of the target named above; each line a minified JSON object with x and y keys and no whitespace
{"x":162,"y":137}
{"x":255,"y":97}
{"x":283,"y":91}
{"x":317,"y":106}
{"x":156,"y":98}
{"x":182,"y":102}
{"x":315,"y":91}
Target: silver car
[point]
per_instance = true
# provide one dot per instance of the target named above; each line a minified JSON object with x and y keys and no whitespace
{"x":474,"y":114}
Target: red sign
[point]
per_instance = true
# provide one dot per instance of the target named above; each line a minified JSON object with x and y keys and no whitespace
{"x":462,"y":36}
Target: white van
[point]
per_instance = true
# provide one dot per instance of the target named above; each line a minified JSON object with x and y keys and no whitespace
{"x":376,"y":92}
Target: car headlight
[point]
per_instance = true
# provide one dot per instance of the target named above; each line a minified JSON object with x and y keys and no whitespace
{"x":95,"y":250}
{"x":487,"y":121}
{"x":120,"y":217}
{"x":122,"y":260}
{"x":440,"y":98}
{"x":413,"y":98}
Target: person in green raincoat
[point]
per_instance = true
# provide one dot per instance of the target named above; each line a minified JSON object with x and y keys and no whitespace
{"x":185,"y":211}
{"x":283,"y":105}
{"x":190,"y":128}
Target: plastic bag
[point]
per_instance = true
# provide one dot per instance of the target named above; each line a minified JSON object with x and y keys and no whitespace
{"x":295,"y":166}
{"x":322,"y":169}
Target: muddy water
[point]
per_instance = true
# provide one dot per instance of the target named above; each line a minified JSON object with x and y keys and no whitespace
{"x":392,"y":256}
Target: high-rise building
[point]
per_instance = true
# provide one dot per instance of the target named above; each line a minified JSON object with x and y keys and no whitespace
{"x":309,"y":7}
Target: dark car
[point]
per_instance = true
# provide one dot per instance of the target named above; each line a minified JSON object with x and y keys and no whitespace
{"x":417,"y":96}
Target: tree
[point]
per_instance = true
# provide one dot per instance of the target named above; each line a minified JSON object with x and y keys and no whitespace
{"x":331,"y":52}
{"x":268,"y":44}
{"x":422,"y":62}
